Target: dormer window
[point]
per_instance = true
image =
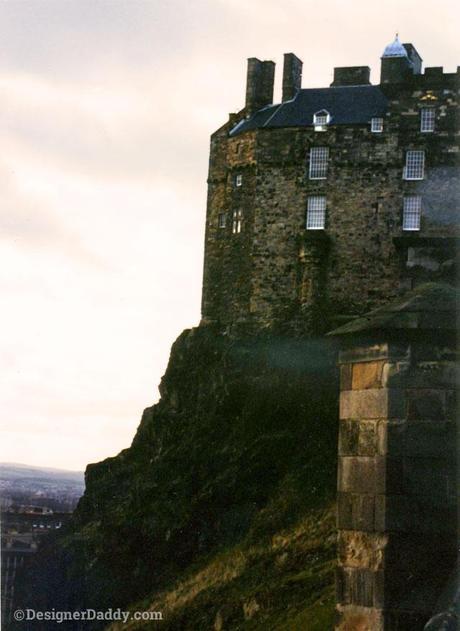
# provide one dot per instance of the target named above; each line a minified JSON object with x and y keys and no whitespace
{"x":321,"y":119}
{"x":376,"y":125}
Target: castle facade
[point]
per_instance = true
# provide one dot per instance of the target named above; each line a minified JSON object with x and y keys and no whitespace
{"x":335,"y":200}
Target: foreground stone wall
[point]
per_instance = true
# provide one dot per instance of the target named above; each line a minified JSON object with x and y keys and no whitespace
{"x":396,"y":481}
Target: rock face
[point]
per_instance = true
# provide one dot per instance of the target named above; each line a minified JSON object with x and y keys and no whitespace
{"x":242,"y":441}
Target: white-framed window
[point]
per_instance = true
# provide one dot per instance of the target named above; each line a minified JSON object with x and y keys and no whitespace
{"x":316,"y":212}
{"x":238,"y":179}
{"x":415,"y":165}
{"x":321,"y":120}
{"x":412,"y":210}
{"x":237,"y":221}
{"x":376,"y":125}
{"x":427,"y":119}
{"x":222,"y":220}
{"x":319,"y":157}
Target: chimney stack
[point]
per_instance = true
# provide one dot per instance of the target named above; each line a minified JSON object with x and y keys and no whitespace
{"x":292,"y":76}
{"x":259,"y":84}
{"x":351,"y":75}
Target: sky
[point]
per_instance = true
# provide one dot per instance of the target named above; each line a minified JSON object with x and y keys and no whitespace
{"x":106,"y":108}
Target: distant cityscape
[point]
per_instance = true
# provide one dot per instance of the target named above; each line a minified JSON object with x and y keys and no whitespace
{"x":34,"y":502}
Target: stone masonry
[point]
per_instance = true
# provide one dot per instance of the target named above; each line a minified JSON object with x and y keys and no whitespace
{"x":397,"y":475}
{"x":262,"y":266}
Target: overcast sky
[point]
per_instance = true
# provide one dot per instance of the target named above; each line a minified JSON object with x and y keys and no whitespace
{"x":106,"y":108}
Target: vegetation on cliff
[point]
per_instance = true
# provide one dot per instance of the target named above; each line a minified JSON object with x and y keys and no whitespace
{"x":233,"y":468}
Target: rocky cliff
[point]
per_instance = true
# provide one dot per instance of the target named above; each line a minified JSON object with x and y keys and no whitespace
{"x":220,"y":512}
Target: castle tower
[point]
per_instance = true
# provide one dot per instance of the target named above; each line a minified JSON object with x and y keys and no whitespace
{"x":334,"y":200}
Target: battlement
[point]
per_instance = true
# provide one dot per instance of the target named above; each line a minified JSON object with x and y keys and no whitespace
{"x":320,"y":206}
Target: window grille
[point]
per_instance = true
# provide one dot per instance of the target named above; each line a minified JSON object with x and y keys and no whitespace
{"x":377,"y":125}
{"x":321,"y":120}
{"x":316,"y":213}
{"x":237,"y":221}
{"x":319,"y":157}
{"x":411,"y":212}
{"x":427,"y":118}
{"x":415,"y":164}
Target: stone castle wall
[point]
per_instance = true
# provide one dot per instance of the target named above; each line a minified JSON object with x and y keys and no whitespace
{"x":274,"y":269}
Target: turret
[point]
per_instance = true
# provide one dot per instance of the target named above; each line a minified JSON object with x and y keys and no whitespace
{"x":399,"y":62}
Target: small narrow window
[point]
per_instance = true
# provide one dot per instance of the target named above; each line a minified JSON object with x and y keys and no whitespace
{"x":415,"y":165}
{"x":321,"y":120}
{"x":319,"y":157}
{"x":222,"y":220}
{"x":239,"y":180}
{"x":427,"y":119}
{"x":412,"y":211}
{"x":376,"y":125}
{"x":237,"y":221}
{"x":316,"y":212}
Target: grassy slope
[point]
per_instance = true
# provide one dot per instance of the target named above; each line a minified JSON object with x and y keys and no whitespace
{"x":282,"y":583}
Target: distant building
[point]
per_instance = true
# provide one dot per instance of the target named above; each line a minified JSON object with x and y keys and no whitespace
{"x":21,"y":531}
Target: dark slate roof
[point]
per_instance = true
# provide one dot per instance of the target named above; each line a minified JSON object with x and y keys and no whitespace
{"x":430,"y":306}
{"x":347,"y":105}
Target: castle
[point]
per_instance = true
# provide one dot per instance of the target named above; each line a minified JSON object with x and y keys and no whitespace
{"x":335,"y":200}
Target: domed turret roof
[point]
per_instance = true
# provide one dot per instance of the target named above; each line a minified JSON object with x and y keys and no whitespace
{"x":395,"y":49}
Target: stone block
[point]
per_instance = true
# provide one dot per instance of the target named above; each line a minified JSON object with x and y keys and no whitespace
{"x":362,"y":549}
{"x":363,"y":474}
{"x":411,"y":514}
{"x":426,"y":405}
{"x":392,"y":482}
{"x":355,"y":512}
{"x":367,"y":438}
{"x":395,"y":513}
{"x":367,"y":375}
{"x":358,"y":474}
{"x":373,"y":403}
{"x":391,"y":438}
{"x":348,"y":437}
{"x":426,"y":374}
{"x":346,"y":371}
{"x":359,"y":404}
{"x":428,"y":477}
{"x":354,"y":618}
{"x":362,"y":587}
{"x":430,"y":438}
